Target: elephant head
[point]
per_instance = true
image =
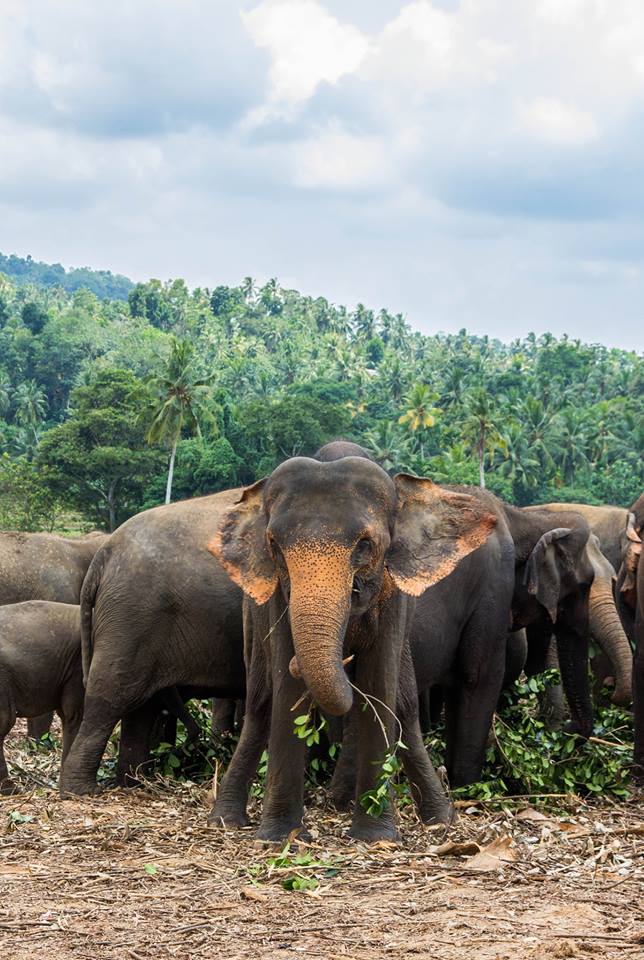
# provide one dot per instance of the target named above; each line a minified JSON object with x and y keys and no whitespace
{"x":555,"y":576}
{"x":338,"y":537}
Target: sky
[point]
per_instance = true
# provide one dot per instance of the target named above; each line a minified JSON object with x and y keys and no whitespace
{"x":470,"y":164}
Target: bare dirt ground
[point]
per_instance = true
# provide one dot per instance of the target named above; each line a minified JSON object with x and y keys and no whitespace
{"x":139,"y":874}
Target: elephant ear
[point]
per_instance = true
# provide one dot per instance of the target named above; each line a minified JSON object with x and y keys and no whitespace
{"x":240,"y":545}
{"x":434,"y":530}
{"x":545,"y":568}
{"x":631,"y":561}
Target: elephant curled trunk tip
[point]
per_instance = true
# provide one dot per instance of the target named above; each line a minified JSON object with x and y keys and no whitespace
{"x":294,"y":667}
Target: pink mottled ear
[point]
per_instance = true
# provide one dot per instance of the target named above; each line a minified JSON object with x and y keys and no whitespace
{"x":240,"y":545}
{"x":435,"y":529}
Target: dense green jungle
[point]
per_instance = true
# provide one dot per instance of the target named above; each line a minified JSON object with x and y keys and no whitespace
{"x":105,"y":384}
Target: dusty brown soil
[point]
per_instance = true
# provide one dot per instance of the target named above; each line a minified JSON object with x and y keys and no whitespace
{"x":139,"y":874}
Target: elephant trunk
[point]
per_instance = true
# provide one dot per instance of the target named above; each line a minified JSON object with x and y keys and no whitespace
{"x":606,"y":628}
{"x":319,"y":608}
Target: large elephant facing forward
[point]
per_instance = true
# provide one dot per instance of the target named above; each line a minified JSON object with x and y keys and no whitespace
{"x":330,"y":556}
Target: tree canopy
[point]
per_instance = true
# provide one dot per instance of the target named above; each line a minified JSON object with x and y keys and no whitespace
{"x":537,"y":419}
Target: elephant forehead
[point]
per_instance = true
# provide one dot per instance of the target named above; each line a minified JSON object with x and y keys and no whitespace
{"x":350,"y":476}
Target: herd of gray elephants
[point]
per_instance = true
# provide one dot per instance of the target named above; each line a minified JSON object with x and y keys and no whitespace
{"x":326,"y":583}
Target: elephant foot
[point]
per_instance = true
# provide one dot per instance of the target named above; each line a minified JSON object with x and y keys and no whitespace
{"x":78,"y":788}
{"x":8,"y":788}
{"x":432,"y":815}
{"x":371,"y":829}
{"x":581,"y":730}
{"x":279,"y":831}
{"x":340,"y":799}
{"x":637,"y":773}
{"x":228,"y":816}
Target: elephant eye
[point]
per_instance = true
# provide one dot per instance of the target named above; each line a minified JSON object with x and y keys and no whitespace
{"x":363,"y":550}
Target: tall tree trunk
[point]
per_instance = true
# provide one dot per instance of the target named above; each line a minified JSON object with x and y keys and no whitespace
{"x":481,"y":453}
{"x":111,"y":505}
{"x":168,"y":489}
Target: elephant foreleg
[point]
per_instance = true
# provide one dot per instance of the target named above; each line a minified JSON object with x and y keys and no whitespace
{"x":572,"y":649}
{"x":283,"y":807}
{"x":343,"y":782}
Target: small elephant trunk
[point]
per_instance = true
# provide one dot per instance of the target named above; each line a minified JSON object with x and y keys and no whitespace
{"x":607,"y":630}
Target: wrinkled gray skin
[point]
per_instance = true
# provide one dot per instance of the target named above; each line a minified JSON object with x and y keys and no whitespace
{"x":608,"y":524}
{"x":157,"y":611}
{"x":330,"y":553}
{"x":630,"y":593}
{"x":40,"y":669}
{"x":44,"y":566}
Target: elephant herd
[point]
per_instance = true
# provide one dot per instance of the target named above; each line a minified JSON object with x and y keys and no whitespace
{"x":328,"y":583}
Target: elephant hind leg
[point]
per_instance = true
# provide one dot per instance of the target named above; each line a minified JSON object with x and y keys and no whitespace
{"x":7,"y":720}
{"x":80,"y":766}
{"x":38,"y":727}
{"x":71,"y":712}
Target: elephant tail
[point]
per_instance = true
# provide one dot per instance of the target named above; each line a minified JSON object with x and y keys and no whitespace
{"x":87,"y":598}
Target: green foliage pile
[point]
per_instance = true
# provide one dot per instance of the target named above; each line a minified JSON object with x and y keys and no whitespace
{"x":537,"y":419}
{"x":526,"y":758}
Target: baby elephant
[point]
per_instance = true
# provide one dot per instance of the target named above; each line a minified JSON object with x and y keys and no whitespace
{"x":40,"y":669}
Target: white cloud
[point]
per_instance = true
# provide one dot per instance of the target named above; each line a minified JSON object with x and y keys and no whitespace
{"x":556,"y":122}
{"x":306,"y":44}
{"x":425,"y":49}
{"x":337,"y":160}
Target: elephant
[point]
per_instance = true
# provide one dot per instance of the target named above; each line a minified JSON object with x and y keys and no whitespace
{"x":157,"y":612}
{"x":44,"y":566}
{"x":608,"y":524}
{"x":331,"y":554}
{"x":630,"y":591}
{"x":528,"y":575}
{"x":40,"y":669}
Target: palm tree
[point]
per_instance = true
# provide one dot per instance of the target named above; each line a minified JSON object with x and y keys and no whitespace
{"x":30,"y":404}
{"x":388,"y":446}
{"x":570,"y":453}
{"x":364,"y":322}
{"x":479,"y":426}
{"x":25,"y":441}
{"x":519,"y":465}
{"x":420,"y":413}
{"x":537,"y":423}
{"x":5,"y":393}
{"x":179,"y":402}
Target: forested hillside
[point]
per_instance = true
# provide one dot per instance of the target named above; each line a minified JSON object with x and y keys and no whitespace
{"x":93,"y":392}
{"x":101,"y":282}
